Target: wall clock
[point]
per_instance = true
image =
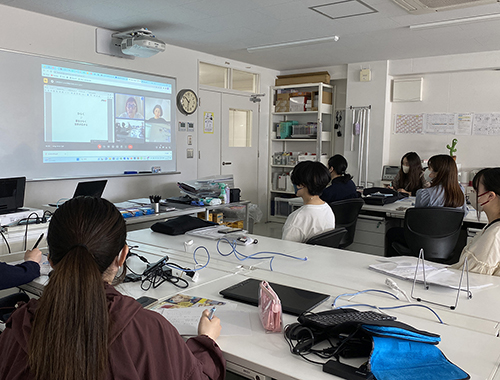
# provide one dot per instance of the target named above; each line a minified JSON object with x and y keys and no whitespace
{"x":187,"y":101}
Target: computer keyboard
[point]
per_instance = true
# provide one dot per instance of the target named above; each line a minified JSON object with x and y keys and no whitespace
{"x":332,"y":318}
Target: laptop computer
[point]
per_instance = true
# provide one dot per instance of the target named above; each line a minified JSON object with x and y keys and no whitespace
{"x":293,"y":300}
{"x":88,"y":188}
{"x":12,"y":194}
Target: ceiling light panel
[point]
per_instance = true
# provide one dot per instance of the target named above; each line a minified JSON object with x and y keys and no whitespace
{"x":344,"y":9}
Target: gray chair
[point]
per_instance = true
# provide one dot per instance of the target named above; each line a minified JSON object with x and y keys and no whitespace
{"x":330,"y":238}
{"x":346,"y":215}
{"x":433,"y":229}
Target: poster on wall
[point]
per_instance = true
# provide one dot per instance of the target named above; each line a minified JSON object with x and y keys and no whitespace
{"x":440,"y":123}
{"x":409,"y":124}
{"x":208,"y":122}
{"x":464,"y":123}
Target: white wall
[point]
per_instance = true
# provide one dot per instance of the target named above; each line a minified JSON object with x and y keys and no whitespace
{"x":452,"y":83}
{"x":375,"y":94}
{"x":465,"y":91}
{"x":45,"y":35}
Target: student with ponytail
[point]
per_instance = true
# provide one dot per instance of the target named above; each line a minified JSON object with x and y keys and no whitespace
{"x":82,"y":328}
{"x":342,"y":187}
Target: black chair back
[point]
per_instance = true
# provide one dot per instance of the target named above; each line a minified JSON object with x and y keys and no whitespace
{"x":346,"y":215}
{"x":435,"y":229}
{"x":330,"y":238}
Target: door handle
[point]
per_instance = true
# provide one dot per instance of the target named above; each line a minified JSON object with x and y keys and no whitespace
{"x":226,"y":163}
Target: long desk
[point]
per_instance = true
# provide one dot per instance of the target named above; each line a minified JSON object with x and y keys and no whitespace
{"x":467,"y":340}
{"x":336,"y":272}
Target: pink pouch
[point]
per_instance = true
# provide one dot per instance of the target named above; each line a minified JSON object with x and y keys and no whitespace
{"x":269,"y":308}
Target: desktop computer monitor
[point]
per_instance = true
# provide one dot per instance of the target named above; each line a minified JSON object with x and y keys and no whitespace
{"x":11,"y":194}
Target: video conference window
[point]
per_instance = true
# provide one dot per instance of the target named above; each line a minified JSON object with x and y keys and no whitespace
{"x":89,"y":116}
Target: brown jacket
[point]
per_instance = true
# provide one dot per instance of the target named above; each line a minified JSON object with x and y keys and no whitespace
{"x":143,"y":345}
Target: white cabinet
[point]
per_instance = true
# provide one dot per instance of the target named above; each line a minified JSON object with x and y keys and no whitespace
{"x":301,"y":129}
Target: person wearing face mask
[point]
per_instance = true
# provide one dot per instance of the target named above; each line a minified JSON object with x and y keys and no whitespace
{"x":410,"y":177}
{"x":342,"y":187}
{"x":483,"y":252}
{"x":309,"y":178}
{"x":445,"y":190}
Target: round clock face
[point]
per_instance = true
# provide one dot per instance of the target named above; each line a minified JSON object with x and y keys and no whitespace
{"x":187,"y":101}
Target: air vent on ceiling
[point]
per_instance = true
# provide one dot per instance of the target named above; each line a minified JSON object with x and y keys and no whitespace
{"x":429,"y":6}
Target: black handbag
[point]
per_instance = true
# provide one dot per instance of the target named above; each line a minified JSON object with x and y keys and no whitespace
{"x":380,"y":196}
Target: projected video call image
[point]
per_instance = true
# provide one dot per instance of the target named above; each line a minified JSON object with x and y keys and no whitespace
{"x":129,"y":131}
{"x":129,"y":106}
{"x":158,"y":132}
{"x":157,"y":110}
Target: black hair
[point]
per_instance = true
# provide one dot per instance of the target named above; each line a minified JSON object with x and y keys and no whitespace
{"x":339,"y":164}
{"x":490,"y":178}
{"x":161,"y":109}
{"x":311,"y":174}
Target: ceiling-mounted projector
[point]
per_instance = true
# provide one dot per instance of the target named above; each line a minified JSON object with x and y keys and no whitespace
{"x":140,"y":43}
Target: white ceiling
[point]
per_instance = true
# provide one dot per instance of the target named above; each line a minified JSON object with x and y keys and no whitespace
{"x":227,"y":27}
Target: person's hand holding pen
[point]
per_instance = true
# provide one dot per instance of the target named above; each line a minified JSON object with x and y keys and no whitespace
{"x":209,"y":326}
{"x":34,"y":254}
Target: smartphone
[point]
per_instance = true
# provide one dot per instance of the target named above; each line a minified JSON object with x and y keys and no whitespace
{"x":146,"y":301}
{"x":229,"y":230}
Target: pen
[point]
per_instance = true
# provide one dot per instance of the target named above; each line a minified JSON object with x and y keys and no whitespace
{"x":212,"y":312}
{"x":38,"y":241}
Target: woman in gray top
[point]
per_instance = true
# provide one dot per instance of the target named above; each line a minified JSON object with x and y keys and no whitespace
{"x":445,"y":190}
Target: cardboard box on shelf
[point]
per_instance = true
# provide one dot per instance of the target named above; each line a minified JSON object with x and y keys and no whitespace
{"x":235,"y":224}
{"x":327,"y":98}
{"x":216,"y":217}
{"x":322,"y":76}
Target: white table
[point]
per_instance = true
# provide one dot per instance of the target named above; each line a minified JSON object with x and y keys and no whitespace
{"x":467,"y":341}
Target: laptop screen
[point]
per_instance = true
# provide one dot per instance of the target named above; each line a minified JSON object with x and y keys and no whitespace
{"x":90,"y":188}
{"x":11,"y":194}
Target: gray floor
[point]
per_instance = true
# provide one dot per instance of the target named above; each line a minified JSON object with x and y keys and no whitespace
{"x":270,"y":229}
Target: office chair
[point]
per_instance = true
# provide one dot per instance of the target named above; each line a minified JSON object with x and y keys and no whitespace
{"x":331,"y":238}
{"x":346,"y":215}
{"x":435,"y":229}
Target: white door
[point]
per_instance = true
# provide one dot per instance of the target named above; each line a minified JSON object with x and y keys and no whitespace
{"x":240,"y":141}
{"x":228,"y":139}
{"x":209,"y":120}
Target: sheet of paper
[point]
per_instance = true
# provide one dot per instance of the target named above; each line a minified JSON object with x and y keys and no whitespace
{"x":404,"y":268}
{"x":234,"y":322}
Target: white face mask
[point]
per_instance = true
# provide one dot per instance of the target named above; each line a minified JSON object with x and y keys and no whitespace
{"x":406,"y":169}
{"x":427,"y":173}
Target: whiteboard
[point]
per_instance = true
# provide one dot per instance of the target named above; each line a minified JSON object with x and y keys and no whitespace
{"x":67,"y":119}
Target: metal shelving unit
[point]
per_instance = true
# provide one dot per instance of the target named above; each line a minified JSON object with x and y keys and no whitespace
{"x":322,"y":143}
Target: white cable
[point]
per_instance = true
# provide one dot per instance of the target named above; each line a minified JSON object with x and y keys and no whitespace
{"x":392,"y":284}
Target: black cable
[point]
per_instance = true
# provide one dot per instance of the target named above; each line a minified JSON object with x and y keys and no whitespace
{"x":6,"y":242}
{"x":27,"y":224}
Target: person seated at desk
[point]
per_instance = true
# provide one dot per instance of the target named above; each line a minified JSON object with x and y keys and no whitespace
{"x":410,"y":177}
{"x":342,"y":186}
{"x":483,"y":252}
{"x":15,"y":275}
{"x":83,"y":328}
{"x":309,"y":178}
{"x":444,"y":190}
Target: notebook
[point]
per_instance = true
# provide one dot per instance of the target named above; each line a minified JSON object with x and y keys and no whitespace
{"x":88,"y":188}
{"x":293,"y":300}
